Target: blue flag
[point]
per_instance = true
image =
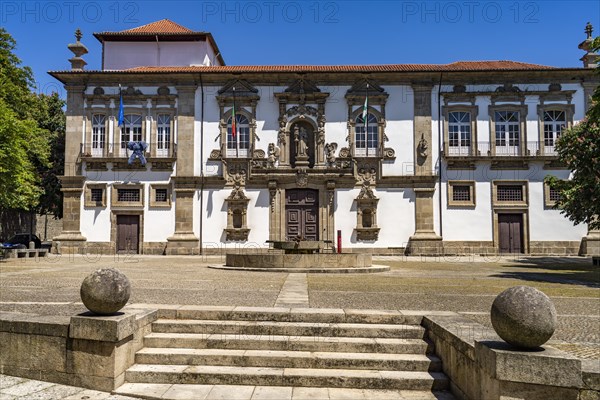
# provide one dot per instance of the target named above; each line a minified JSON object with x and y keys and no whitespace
{"x":121,"y":111}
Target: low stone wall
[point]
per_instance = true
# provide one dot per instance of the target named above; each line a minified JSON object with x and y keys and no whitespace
{"x":483,"y":367}
{"x":555,"y":248}
{"x":319,"y":260}
{"x":86,"y":351}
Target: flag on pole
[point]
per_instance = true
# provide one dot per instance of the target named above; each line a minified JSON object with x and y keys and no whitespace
{"x":121,"y":109}
{"x":366,"y":106}
{"x":233,"y":124}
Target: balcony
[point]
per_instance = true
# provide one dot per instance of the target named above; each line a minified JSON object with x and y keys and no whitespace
{"x":502,"y":154}
{"x":96,"y":156}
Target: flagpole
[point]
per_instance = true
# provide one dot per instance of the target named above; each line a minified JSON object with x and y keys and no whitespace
{"x":234,"y":125}
{"x":366,"y":119}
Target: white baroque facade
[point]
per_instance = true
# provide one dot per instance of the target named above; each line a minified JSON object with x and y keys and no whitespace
{"x":449,"y":159}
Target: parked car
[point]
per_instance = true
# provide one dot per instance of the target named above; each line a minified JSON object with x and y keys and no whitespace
{"x":21,"y":241}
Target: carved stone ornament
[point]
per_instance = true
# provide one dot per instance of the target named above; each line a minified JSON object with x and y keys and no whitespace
{"x":330,"y":149}
{"x":344,"y":152}
{"x":215,"y":155}
{"x":301,"y":178}
{"x":389,"y":153}
{"x":422,"y":147}
{"x":272,"y":194}
{"x":163,"y":91}
{"x":98,"y":90}
{"x":508,"y":88}
{"x":459,"y":89}
{"x":554,"y":87}
{"x":302,"y":110}
{"x":273,"y":155}
{"x":259,"y":153}
{"x":367,"y":175}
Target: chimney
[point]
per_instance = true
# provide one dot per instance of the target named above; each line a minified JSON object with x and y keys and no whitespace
{"x":77,"y":63}
{"x":590,"y":59}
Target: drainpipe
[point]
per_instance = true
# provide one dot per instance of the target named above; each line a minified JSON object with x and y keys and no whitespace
{"x":201,"y":159}
{"x":440,"y":146}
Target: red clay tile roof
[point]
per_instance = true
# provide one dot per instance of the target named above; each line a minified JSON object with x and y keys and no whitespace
{"x":456,"y":66}
{"x":162,"y":27}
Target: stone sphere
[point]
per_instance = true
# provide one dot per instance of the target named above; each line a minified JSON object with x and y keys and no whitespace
{"x":523,"y":317}
{"x":105,"y":291}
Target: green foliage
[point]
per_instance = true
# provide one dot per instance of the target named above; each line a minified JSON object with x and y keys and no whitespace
{"x":50,"y":117}
{"x":579,"y":149}
{"x":30,"y":127}
{"x":19,"y":181}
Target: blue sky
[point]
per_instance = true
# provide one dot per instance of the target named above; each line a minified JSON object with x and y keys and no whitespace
{"x":315,"y":32}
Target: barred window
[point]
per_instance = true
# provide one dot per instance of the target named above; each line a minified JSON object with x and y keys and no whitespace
{"x":509,"y":193}
{"x":160,"y":195}
{"x":128,"y":195}
{"x":553,"y":194}
{"x":96,"y":195}
{"x":461,"y":193}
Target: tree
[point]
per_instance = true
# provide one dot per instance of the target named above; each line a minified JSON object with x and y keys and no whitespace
{"x":24,"y":146}
{"x":19,"y":182}
{"x":579,"y":149}
{"x":50,"y":116}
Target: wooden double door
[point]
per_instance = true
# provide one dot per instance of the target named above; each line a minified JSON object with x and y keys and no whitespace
{"x":302,"y":213}
{"x":128,"y":233}
{"x":510,"y":233}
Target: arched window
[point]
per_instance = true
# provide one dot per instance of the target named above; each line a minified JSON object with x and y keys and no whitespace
{"x":366,"y":136}
{"x":554,"y":123}
{"x":98,"y":134}
{"x":131,"y":131}
{"x":163,"y":134}
{"x":459,"y":133}
{"x":238,"y":140}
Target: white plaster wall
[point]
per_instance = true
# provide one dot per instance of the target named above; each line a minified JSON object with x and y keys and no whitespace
{"x":124,"y":55}
{"x":476,"y":223}
{"x":395,"y":217}
{"x":399,"y":114}
{"x":158,"y":223}
{"x":215,"y":218}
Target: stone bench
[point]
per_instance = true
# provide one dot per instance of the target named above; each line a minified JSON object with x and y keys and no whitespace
{"x":25,"y":253}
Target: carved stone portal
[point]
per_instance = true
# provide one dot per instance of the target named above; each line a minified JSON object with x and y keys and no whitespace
{"x":366,"y":208}
{"x":237,"y":210}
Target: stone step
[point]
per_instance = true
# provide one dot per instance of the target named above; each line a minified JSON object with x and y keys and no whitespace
{"x":289,"y":328}
{"x":195,"y":392}
{"x":282,"y":342}
{"x":288,"y":359}
{"x":335,"y":378}
{"x":284,"y":314}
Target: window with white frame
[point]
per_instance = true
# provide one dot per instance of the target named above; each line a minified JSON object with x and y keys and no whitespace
{"x":131,"y":131}
{"x":238,"y":140}
{"x":366,"y":136}
{"x":163,"y":134}
{"x":507,"y":132}
{"x":459,"y":133}
{"x":555,"y":122}
{"x":98,"y":134}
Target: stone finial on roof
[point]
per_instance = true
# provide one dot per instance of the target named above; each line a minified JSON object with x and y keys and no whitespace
{"x":78,"y":49}
{"x":589,"y":29}
{"x":590,"y":59}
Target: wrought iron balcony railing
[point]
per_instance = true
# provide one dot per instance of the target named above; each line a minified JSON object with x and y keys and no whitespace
{"x":112,"y":150}
{"x":499,"y":148}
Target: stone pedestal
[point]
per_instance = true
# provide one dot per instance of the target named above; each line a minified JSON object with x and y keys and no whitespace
{"x":71,"y":240}
{"x":184,"y":241}
{"x":424,"y":241}
{"x":590,"y":244}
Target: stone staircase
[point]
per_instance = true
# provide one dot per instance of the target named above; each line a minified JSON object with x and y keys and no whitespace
{"x":289,"y":353}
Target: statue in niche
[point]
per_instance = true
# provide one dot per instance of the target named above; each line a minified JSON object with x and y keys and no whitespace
{"x":272,"y":155}
{"x":301,"y":139}
{"x":422,"y":147}
{"x":330,"y":149}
